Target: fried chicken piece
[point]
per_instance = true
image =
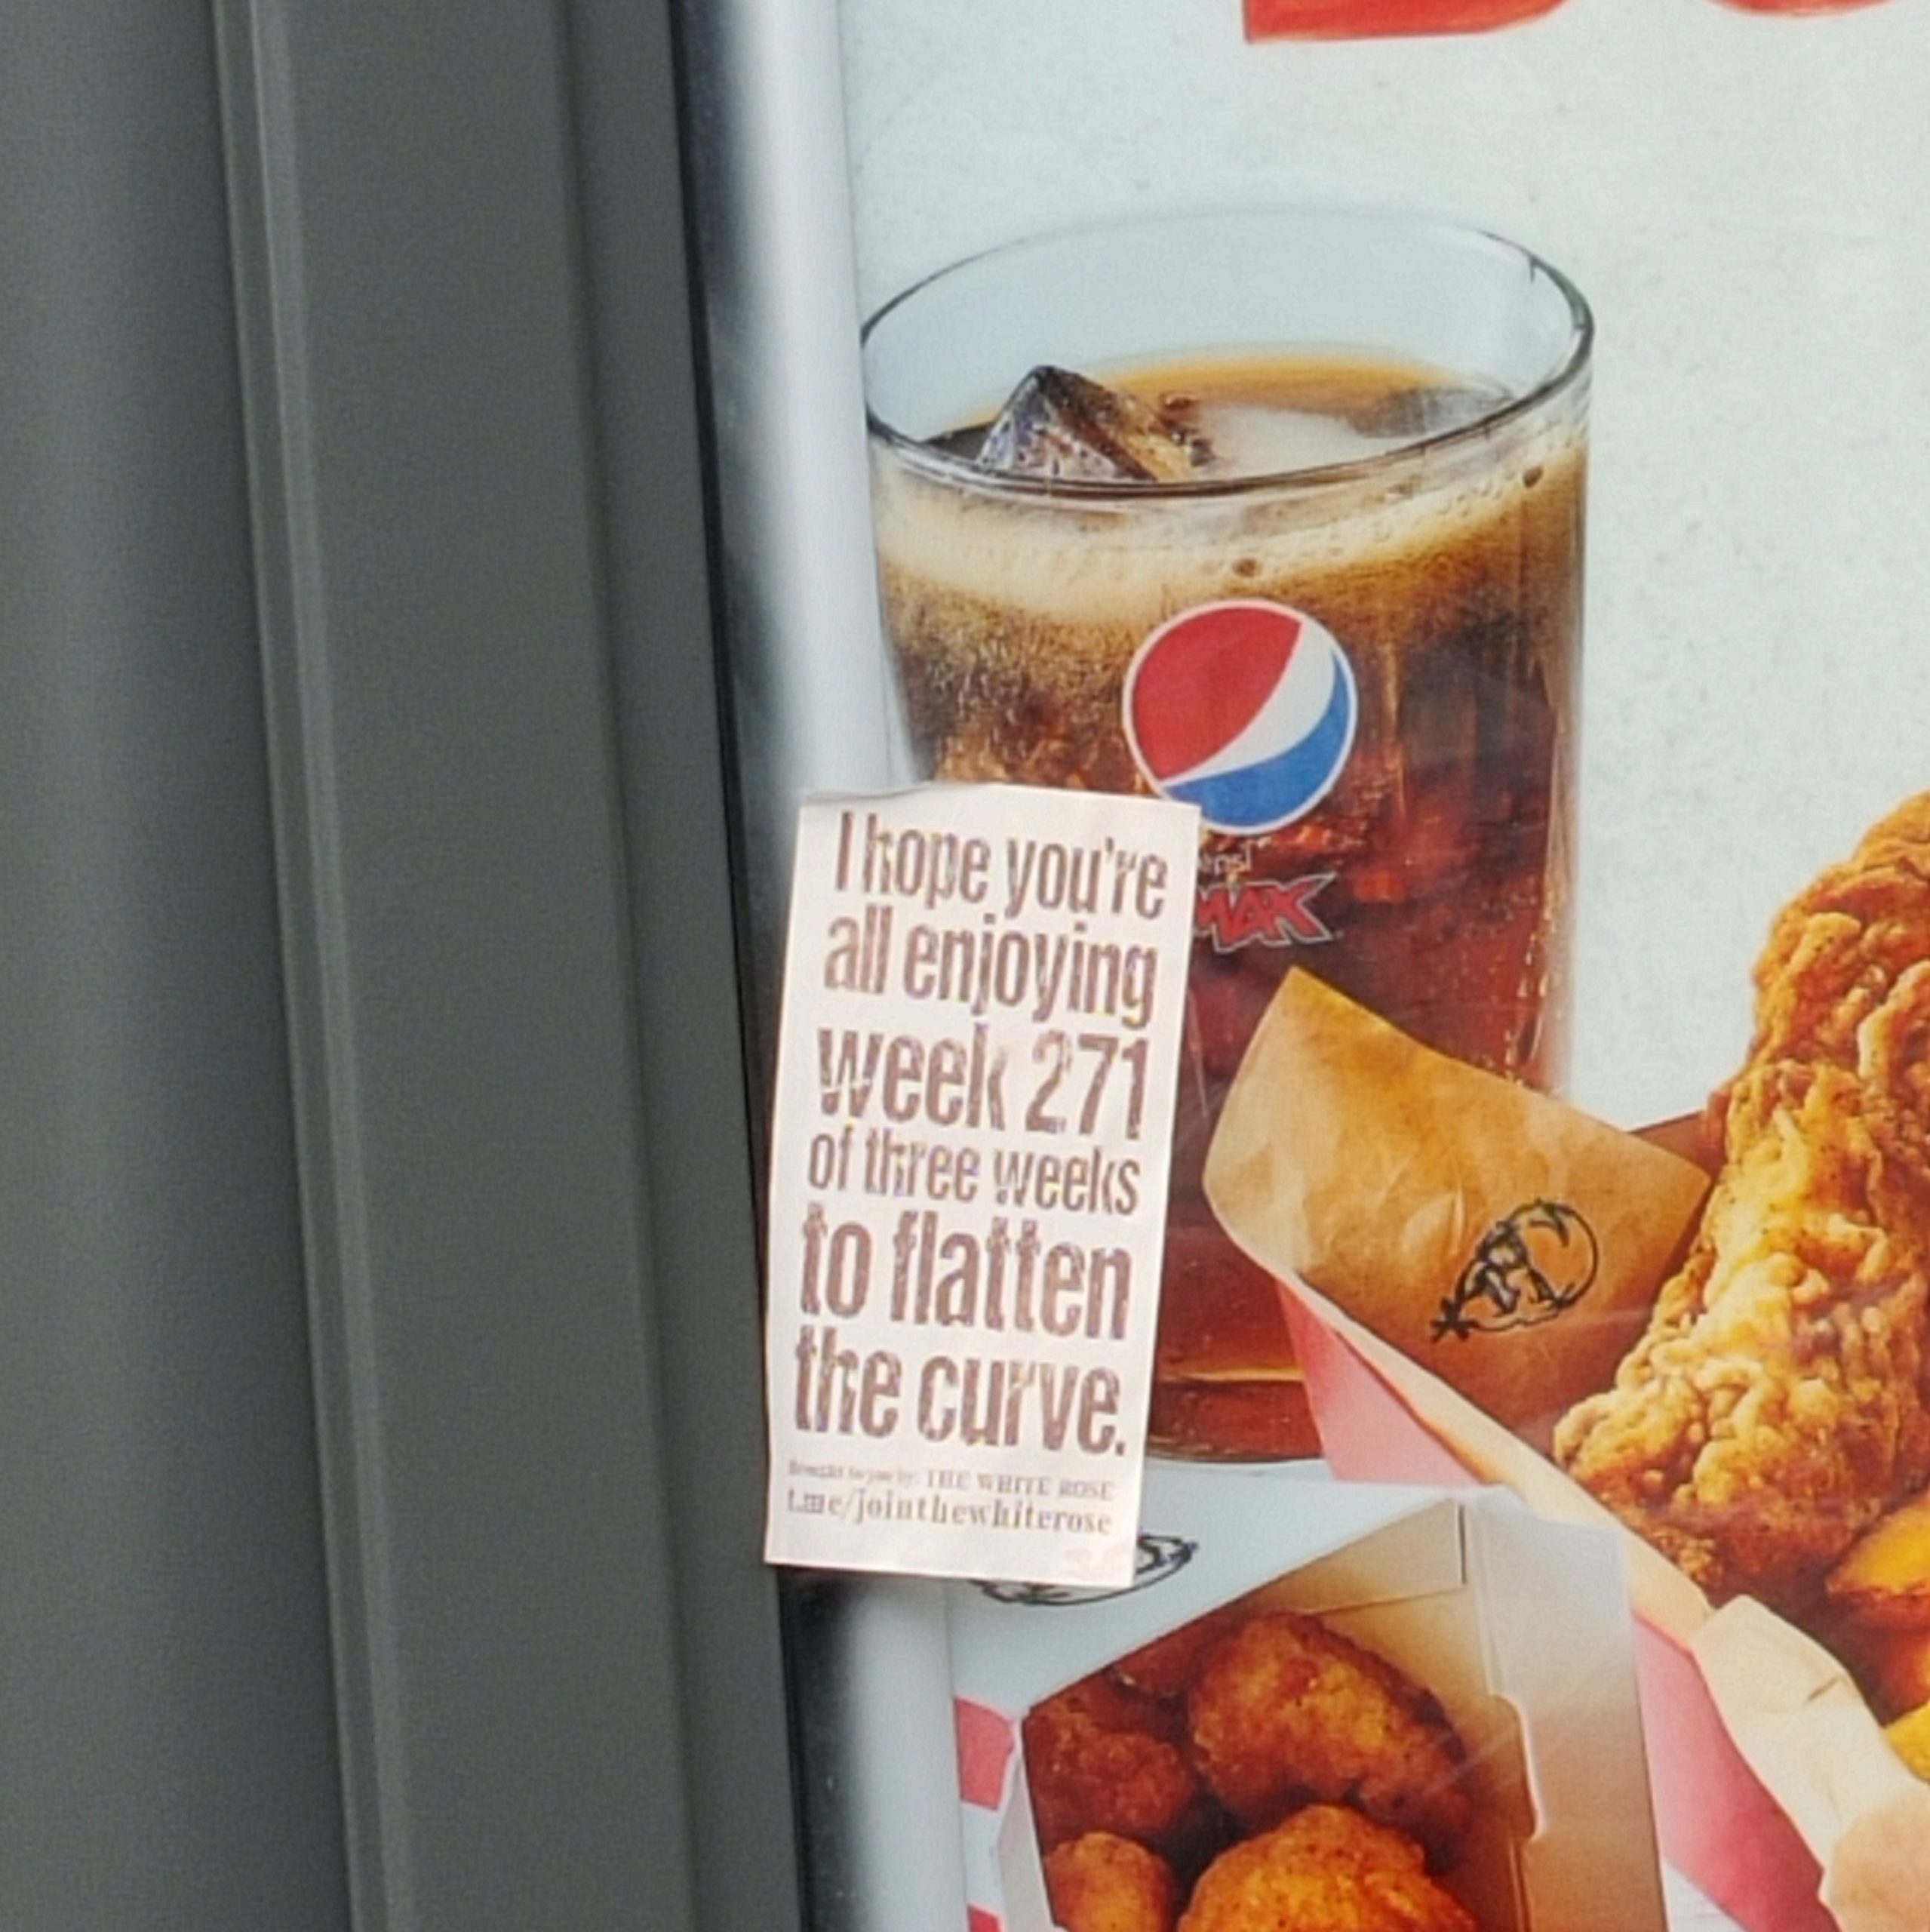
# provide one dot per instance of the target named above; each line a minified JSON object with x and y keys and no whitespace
{"x":1103,"y":1883}
{"x":1884,"y":1577}
{"x":1891,"y":1665}
{"x":1775,"y":1406}
{"x":1167,"y":1666}
{"x":1101,"y":1758}
{"x":1287,"y":1712}
{"x":1910,"y":1738}
{"x":1326,"y":1870}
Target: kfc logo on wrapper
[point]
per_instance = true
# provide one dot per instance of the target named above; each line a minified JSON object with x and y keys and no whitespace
{"x":1531,"y":1266}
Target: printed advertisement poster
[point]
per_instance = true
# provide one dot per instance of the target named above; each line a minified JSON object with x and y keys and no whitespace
{"x":1478,"y":454}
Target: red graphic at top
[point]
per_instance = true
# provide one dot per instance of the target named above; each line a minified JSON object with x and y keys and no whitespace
{"x":1361,"y":20}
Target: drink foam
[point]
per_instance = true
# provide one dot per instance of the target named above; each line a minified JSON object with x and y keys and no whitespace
{"x":1084,"y":560}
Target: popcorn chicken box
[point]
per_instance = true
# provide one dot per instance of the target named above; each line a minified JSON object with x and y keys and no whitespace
{"x":1311,"y":1680}
{"x":1734,"y":1442}
{"x":1523,"y":1279}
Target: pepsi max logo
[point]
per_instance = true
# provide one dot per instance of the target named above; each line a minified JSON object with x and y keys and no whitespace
{"x":1246,"y":709}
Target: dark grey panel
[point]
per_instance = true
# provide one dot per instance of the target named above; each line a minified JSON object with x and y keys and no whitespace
{"x":701,"y":1197}
{"x":165,"y":1692}
{"x":482,"y":1170}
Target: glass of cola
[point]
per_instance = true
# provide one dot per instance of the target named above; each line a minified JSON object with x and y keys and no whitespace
{"x":1278,"y":512}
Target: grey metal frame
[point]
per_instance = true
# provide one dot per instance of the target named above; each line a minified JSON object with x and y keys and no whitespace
{"x":167,"y":1740}
{"x":513,"y":1005}
{"x":376,"y":1204}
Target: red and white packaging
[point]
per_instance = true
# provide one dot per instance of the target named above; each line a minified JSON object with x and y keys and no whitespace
{"x":1520,"y":1628}
{"x":1774,"y":1790}
{"x":1476,"y":1244}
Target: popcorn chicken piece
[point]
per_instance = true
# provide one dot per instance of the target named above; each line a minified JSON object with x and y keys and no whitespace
{"x":1101,"y":1758}
{"x":1104,"y":1883}
{"x":1286,"y":1712}
{"x":1326,"y":1870}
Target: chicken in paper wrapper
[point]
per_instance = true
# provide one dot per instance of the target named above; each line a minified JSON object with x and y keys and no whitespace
{"x":1508,"y":1243}
{"x":1769,"y":1432}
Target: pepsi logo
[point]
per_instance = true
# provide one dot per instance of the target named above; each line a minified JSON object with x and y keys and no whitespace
{"x":1245,"y":708}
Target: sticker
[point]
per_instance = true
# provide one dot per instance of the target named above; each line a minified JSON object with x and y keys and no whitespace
{"x":984,"y":988}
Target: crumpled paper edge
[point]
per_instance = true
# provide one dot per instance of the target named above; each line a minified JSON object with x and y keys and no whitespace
{"x":1803,"y":1727}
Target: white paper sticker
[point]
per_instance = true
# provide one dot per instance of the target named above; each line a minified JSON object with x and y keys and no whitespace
{"x":984,"y":989}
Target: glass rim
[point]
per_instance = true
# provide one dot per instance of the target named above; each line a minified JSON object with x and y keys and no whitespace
{"x":1569,"y":370}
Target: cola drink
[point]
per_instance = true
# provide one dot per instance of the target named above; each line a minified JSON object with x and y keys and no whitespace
{"x":1330,"y":590}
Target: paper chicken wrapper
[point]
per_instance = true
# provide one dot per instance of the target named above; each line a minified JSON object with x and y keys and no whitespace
{"x":1371,"y":1174}
{"x":1508,"y":1242}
